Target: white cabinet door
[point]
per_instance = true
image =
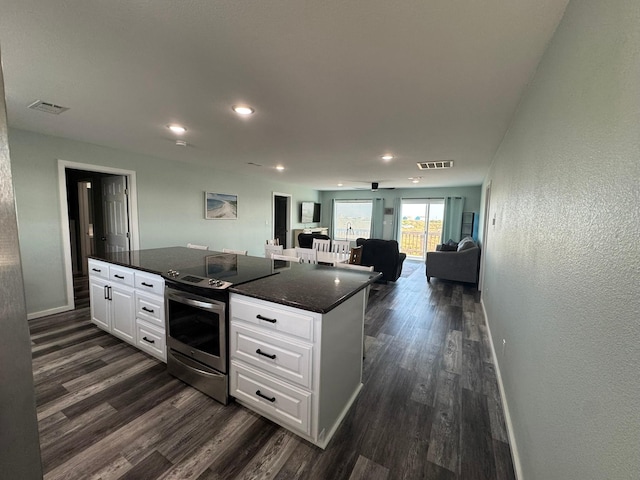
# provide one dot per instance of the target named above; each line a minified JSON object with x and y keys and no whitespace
{"x":123,"y":314}
{"x":100,"y":305}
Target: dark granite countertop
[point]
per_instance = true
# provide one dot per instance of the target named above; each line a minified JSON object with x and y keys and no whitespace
{"x":158,"y":260}
{"x":316,"y":288}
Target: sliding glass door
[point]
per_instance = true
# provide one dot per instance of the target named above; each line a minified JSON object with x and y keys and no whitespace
{"x":420,"y":226}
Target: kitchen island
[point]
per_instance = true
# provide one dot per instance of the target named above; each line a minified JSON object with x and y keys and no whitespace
{"x":295,"y":332}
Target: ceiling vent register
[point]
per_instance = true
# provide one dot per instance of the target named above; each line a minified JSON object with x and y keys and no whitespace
{"x":48,"y":107}
{"x":435,"y":165}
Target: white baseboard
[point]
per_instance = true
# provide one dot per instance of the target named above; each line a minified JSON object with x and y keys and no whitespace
{"x":51,"y":311}
{"x":515,"y":457}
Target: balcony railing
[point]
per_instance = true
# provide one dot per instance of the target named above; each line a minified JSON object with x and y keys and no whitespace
{"x":412,"y":243}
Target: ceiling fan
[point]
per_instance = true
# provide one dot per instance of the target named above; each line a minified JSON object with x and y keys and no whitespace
{"x":374,"y":186}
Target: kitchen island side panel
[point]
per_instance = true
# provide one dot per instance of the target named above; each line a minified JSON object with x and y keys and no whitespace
{"x":341,"y":353}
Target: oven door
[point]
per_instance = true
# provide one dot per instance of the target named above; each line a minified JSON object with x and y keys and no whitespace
{"x":196,"y":327}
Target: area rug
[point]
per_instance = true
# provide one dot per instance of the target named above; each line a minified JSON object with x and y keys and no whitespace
{"x":410,"y":266}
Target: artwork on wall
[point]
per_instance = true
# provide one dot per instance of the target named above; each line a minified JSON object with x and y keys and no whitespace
{"x":220,"y":206}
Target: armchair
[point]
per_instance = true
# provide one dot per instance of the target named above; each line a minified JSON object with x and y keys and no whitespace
{"x":383,"y":255}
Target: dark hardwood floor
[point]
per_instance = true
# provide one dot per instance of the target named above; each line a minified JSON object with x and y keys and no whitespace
{"x":430,"y":407}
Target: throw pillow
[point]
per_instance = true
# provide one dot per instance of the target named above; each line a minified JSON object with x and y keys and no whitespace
{"x":451,"y":243}
{"x":448,"y":248}
{"x":465,"y":244}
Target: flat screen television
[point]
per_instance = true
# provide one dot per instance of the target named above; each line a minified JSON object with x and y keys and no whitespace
{"x":309,"y":212}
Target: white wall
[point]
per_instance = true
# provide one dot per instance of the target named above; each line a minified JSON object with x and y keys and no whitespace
{"x":562,"y":282}
{"x":170,"y":207}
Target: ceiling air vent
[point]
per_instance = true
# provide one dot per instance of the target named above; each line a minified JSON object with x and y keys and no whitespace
{"x":48,"y":107}
{"x":435,"y":165}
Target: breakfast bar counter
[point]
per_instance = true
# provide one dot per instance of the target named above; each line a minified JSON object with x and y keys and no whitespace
{"x":315,"y":288}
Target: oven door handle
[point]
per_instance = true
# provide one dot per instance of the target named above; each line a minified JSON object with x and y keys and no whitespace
{"x":187,"y":299}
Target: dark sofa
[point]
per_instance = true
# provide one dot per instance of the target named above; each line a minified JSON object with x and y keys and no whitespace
{"x":305,"y":240}
{"x":383,"y":255}
{"x":461,"y":264}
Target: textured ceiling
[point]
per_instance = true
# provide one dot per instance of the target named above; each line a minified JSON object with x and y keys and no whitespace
{"x":335,"y":84}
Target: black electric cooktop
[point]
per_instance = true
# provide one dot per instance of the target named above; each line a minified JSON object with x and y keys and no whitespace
{"x":221,"y":270}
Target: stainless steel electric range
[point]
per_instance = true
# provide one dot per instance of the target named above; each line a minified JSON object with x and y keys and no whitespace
{"x":197,"y":317}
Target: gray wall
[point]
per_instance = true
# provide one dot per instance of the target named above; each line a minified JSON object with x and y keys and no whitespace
{"x":170,"y":207}
{"x":19,"y":447}
{"x":471,"y":195}
{"x":562,"y":281}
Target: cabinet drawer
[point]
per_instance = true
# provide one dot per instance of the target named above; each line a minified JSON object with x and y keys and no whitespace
{"x":121,"y":275}
{"x":150,"y":308}
{"x":288,"y":360}
{"x":151,"y":340}
{"x":282,"y":403}
{"x":283,"y":320}
{"x":98,"y":268}
{"x":148,"y":282}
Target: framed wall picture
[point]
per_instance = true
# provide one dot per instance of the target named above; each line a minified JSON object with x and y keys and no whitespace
{"x":220,"y":206}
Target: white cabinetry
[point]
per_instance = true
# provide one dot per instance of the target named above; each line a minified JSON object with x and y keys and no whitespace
{"x":125,"y":302}
{"x":150,"y":329}
{"x":300,"y":369}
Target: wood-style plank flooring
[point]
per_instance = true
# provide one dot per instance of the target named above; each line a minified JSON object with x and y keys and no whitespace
{"x":430,"y":407}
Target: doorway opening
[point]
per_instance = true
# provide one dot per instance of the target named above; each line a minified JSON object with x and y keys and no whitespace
{"x":420,"y":228}
{"x":282,"y":218}
{"x":98,"y":215}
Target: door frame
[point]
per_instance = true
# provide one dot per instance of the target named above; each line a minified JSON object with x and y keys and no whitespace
{"x":64,"y":215}
{"x":485,"y":236}
{"x":273,"y":215}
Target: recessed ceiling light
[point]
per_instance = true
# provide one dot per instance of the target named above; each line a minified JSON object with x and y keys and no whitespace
{"x":279,"y":168}
{"x":339,"y":184}
{"x":387,"y":156}
{"x":415,"y":180}
{"x":181,"y":143}
{"x":178,"y":129}
{"x":243,"y":109}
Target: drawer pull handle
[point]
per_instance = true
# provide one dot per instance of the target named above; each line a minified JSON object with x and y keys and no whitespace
{"x":96,"y":270}
{"x":271,"y":399}
{"x":145,"y":284}
{"x":260,"y":352}
{"x":148,"y":341}
{"x":119,"y":276}
{"x":147,"y":309}
{"x":266,"y":319}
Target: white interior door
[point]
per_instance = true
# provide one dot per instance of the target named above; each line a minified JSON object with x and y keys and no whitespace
{"x":86,"y":225}
{"x":116,"y":214}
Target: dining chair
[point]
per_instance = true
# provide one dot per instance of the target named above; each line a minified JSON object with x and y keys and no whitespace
{"x":286,"y":258}
{"x":273,"y":241}
{"x":321,"y":245}
{"x":355,"y":256}
{"x":237,"y":252}
{"x":269,"y":249}
{"x":307,"y":255}
{"x":340,"y":246}
{"x":352,"y":266}
{"x":198,"y":247}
